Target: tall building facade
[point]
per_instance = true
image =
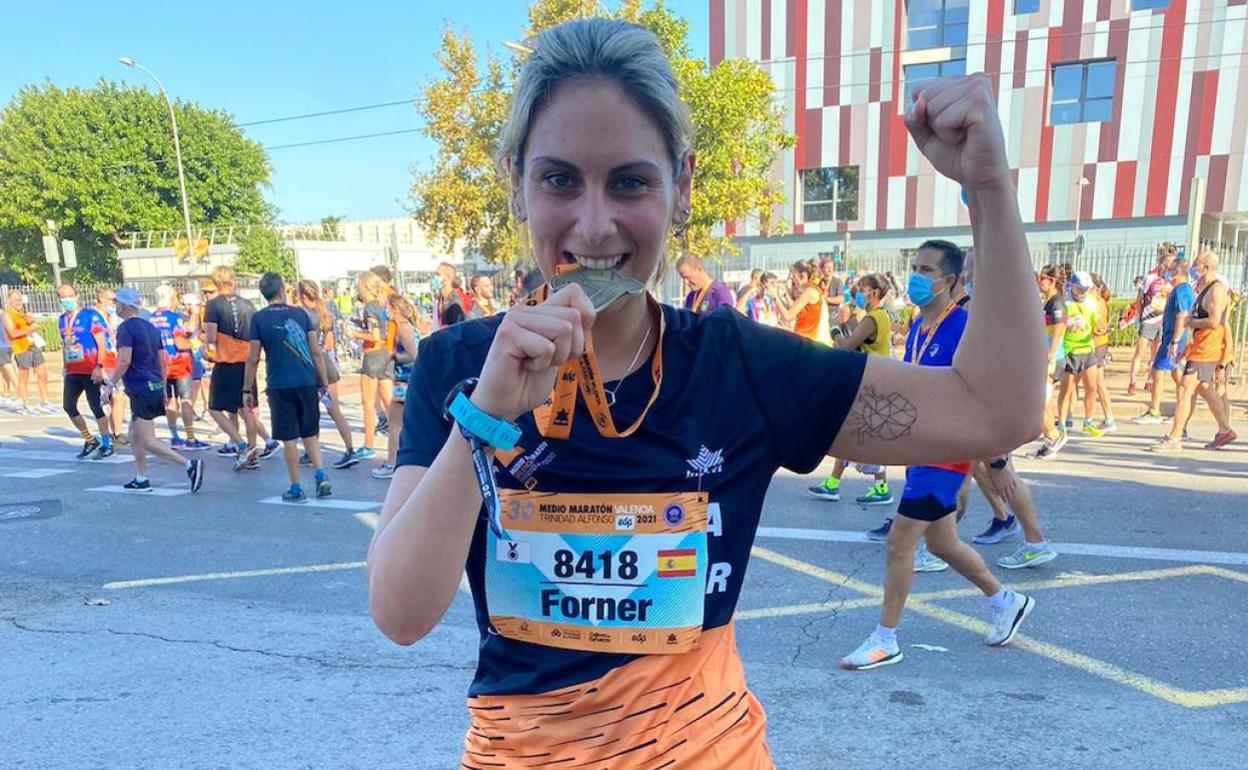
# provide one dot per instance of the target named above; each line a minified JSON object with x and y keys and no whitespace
{"x":1112,"y":109}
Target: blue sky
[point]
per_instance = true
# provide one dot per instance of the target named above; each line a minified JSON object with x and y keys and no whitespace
{"x":261,"y":60}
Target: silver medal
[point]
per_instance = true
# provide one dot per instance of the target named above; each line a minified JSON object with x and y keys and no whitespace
{"x":601,"y":286}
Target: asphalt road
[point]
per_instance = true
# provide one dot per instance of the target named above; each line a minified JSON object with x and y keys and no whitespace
{"x":1133,"y":658}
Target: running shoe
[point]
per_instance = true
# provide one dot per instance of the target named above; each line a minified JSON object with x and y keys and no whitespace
{"x":873,"y":653}
{"x":47,"y":408}
{"x":1027,"y":556}
{"x":104,"y":452}
{"x":1222,"y":439}
{"x":365,"y":453}
{"x":880,"y":533}
{"x":998,"y":531}
{"x":1070,"y":423}
{"x":294,"y":495}
{"x":1053,"y":446}
{"x":270,"y":448}
{"x":248,"y":461}
{"x":1108,"y":426}
{"x":924,"y":561}
{"x":1090,"y":429}
{"x":347,"y":460}
{"x":383,"y":424}
{"x":177,"y":442}
{"x":195,"y":445}
{"x":227,"y":450}
{"x":383,"y":471}
{"x":305,"y":460}
{"x":196,"y":474}
{"x":9,"y":404}
{"x":1149,"y":418}
{"x":121,"y":439}
{"x":1005,"y":623}
{"x":134,"y":485}
{"x":829,"y":490}
{"x":29,"y":411}
{"x":878,"y":494}
{"x":1167,"y":446}
{"x":88,"y":447}
{"x":323,"y":488}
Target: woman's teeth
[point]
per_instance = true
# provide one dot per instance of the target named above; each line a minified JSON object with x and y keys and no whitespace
{"x":605,"y":263}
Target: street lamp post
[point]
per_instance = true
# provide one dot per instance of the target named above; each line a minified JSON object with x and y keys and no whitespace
{"x":1082,"y":183}
{"x":177,"y":152}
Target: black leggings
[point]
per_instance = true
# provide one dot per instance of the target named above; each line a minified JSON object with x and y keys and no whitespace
{"x":75,"y":386}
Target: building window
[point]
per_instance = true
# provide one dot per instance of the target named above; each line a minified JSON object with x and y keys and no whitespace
{"x":830,"y":194}
{"x":922,"y":73}
{"x":1026,"y":6}
{"x":937,"y":23}
{"x":1149,"y":5}
{"x":1083,"y":92}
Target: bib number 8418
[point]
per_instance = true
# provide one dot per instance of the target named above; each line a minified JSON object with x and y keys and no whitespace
{"x":604,"y":564}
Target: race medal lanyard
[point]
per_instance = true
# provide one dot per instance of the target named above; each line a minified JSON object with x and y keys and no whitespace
{"x":697,"y":300}
{"x":931,"y":334}
{"x":554,"y":417}
{"x":599,"y":572}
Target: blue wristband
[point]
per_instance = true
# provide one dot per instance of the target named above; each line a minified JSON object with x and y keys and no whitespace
{"x":492,"y":431}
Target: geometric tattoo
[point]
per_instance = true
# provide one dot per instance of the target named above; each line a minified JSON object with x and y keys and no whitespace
{"x":886,"y":417}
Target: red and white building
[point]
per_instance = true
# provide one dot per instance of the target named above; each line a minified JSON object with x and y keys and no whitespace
{"x":1112,"y":109}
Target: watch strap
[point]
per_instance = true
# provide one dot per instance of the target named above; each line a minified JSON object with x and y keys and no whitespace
{"x":490,"y":430}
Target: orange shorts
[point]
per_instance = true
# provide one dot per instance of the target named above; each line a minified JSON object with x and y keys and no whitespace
{"x":659,"y":711}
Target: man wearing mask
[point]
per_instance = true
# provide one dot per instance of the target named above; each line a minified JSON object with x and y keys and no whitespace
{"x":707,"y":294}
{"x":83,"y":332}
{"x":931,"y":491}
{"x":1204,"y":355}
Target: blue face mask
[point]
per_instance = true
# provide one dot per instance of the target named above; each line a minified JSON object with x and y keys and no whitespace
{"x":1195,"y":275}
{"x":919,"y":287}
{"x":68,"y":303}
{"x":966,"y":287}
{"x":860,"y":299}
{"x":437,"y":282}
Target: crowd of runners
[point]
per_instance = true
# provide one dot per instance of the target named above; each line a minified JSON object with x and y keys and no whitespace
{"x":587,"y":396}
{"x":178,"y":361}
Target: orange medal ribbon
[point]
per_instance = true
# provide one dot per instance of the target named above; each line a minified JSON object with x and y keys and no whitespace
{"x":554,"y":417}
{"x":927,"y":338}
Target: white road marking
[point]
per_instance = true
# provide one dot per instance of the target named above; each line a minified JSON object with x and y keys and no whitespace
{"x":59,"y":457}
{"x":1078,"y":549}
{"x":165,"y":581}
{"x":328,"y":502}
{"x":35,"y":473}
{"x":171,"y":491}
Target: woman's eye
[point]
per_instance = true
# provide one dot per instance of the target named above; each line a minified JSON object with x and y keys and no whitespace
{"x":630,"y":183}
{"x":558,"y":180}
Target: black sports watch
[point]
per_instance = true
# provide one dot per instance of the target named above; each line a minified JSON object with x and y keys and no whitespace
{"x":999,"y":463}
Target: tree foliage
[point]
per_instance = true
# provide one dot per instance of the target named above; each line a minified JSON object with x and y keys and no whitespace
{"x":99,"y":162}
{"x":262,"y":250}
{"x":738,"y":134}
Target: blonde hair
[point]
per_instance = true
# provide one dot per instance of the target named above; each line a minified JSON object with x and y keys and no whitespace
{"x":223,"y":276}
{"x":399,"y":305}
{"x":623,"y":53}
{"x":371,"y":286}
{"x":309,"y":290}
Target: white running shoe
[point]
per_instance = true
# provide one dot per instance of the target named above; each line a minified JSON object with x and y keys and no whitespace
{"x":1005,"y":624}
{"x":873,"y":653}
{"x":924,"y":561}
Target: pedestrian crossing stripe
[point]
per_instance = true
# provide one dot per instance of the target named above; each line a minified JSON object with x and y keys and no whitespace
{"x":328,"y":502}
{"x":58,"y":457}
{"x":33,"y":473}
{"x":175,"y":491}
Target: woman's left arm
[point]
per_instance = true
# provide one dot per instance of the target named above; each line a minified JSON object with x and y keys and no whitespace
{"x":990,"y":401}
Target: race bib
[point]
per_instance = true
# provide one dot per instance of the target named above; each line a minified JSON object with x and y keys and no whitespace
{"x":619,"y":573}
{"x":73,"y":354}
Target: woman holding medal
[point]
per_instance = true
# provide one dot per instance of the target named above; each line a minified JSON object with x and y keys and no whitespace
{"x":604,"y":473}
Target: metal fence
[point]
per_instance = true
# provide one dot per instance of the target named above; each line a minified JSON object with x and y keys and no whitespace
{"x":42,"y":300}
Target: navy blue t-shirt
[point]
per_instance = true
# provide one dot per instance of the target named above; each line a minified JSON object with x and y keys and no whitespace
{"x":282,"y":331}
{"x":143,"y":377}
{"x":753,"y":398}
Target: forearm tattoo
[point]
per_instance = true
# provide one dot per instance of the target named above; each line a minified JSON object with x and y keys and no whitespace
{"x":880,"y":416}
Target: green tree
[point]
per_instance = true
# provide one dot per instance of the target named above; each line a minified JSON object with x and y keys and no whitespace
{"x":463,"y":198}
{"x":99,"y":162}
{"x":738,"y":135}
{"x":261,"y":250}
